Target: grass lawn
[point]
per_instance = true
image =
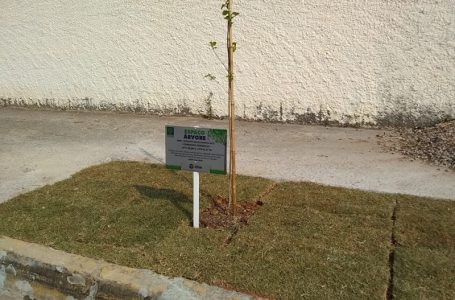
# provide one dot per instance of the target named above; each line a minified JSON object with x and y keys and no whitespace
{"x":425,"y":257}
{"x":306,"y":241}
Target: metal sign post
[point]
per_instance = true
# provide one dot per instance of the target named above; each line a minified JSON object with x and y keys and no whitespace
{"x":195,"y":199}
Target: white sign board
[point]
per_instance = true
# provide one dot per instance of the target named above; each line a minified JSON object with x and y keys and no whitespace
{"x":196,"y":149}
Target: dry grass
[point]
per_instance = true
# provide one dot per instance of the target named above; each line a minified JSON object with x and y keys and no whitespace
{"x":425,"y":263}
{"x":307,"y":241}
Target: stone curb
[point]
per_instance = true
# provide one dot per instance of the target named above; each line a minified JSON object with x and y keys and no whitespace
{"x":86,"y":278}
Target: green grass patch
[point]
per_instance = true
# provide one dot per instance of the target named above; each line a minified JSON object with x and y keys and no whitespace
{"x":307,"y":241}
{"x":425,"y":257}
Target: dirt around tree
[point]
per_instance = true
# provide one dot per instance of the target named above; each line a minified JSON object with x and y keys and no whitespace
{"x":217,"y":216}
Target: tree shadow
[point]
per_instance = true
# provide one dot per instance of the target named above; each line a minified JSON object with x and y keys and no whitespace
{"x":176,"y":198}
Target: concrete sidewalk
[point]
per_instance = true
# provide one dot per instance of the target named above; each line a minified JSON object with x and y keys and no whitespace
{"x":42,"y":147}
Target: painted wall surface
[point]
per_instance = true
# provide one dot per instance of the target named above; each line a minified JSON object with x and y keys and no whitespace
{"x":346,"y":61}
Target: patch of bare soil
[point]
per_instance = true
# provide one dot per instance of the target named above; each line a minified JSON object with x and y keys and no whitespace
{"x":218,"y":215}
{"x":433,"y":144}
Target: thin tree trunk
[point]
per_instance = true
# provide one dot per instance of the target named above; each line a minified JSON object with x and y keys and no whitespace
{"x":232,"y":162}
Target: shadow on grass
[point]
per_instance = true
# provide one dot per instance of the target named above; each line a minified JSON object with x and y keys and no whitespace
{"x":176,"y":198}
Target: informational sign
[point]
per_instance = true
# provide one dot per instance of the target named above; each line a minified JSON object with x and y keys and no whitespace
{"x":196,"y":149}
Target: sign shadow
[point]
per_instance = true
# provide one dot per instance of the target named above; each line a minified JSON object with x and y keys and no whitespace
{"x":178,"y":199}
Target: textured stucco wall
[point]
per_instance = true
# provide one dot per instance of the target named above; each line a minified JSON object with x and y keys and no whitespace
{"x":347,"y":61}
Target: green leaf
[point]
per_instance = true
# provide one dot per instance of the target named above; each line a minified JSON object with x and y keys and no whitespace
{"x":213,"y":44}
{"x":234,"y":46}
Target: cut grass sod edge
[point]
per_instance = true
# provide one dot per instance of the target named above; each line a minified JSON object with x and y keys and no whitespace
{"x":306,"y":241}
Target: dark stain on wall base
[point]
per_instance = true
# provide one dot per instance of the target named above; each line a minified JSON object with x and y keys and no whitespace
{"x":406,"y":119}
{"x":208,"y":107}
{"x":406,"y":115}
{"x":404,"y":109}
{"x":321,"y":117}
{"x":271,"y":115}
{"x":401,"y":115}
{"x":87,"y":104}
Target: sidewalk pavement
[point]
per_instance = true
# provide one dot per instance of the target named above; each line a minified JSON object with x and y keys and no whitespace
{"x":39,"y":147}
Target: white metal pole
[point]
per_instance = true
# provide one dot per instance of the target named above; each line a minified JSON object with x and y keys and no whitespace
{"x":195,"y":199}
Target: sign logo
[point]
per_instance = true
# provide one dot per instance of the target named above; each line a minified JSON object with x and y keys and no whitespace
{"x":170,"y":131}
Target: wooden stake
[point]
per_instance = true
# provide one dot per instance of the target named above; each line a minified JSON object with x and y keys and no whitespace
{"x":231,"y":112}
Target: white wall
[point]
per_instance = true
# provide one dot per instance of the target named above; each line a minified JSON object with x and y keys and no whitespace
{"x":348,"y":61}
